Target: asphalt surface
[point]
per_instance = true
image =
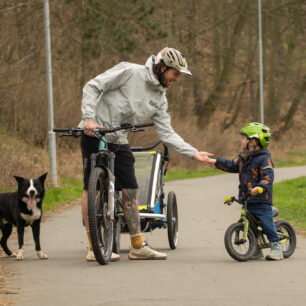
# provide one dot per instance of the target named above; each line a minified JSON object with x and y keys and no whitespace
{"x":198,"y":272}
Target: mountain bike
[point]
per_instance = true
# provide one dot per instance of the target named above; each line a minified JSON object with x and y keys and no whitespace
{"x":101,"y":190}
{"x":241,"y":238}
{"x":105,"y":214}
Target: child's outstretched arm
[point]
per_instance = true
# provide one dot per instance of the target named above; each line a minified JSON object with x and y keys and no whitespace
{"x":224,"y":164}
{"x":227,"y":165}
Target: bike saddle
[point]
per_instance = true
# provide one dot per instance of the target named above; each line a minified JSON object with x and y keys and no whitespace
{"x":275,"y":212}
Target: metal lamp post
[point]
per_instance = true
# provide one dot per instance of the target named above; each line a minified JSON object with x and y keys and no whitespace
{"x":51,"y":134}
{"x":260,"y":64}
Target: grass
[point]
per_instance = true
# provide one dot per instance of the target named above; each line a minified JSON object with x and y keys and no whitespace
{"x":173,"y":175}
{"x":69,"y":190}
{"x":290,"y":199}
{"x":291,"y":159}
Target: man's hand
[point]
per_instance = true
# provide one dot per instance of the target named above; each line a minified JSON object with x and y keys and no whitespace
{"x":90,"y":126}
{"x":204,"y":157}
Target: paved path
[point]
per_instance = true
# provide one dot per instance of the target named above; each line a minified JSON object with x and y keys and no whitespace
{"x":198,"y":272}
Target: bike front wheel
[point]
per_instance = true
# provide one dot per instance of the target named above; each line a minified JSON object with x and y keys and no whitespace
{"x":287,"y":237}
{"x":100,"y":223}
{"x":236,"y":246}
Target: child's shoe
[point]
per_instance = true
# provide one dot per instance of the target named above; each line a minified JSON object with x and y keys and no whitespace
{"x":258,"y":253}
{"x":276,"y":252}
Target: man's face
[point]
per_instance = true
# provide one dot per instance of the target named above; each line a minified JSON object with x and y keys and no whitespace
{"x":170,"y":76}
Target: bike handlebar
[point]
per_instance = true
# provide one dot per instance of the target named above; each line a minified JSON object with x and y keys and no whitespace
{"x":76,"y":132}
{"x":230,"y":200}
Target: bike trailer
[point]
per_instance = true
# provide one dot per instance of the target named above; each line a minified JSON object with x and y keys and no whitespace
{"x":148,"y":171}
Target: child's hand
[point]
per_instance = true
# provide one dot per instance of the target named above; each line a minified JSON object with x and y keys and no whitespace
{"x":256,"y":190}
{"x":211,"y":162}
{"x":204,"y":157}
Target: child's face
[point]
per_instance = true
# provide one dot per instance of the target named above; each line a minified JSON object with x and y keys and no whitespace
{"x":244,"y":142}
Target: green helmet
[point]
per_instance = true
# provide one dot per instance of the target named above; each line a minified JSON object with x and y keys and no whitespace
{"x":257,"y":130}
{"x":174,"y":59}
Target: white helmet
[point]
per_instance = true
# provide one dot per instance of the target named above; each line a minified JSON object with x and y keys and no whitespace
{"x":173,"y":59}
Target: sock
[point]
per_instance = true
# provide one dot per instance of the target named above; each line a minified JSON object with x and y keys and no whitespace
{"x":137,"y":241}
{"x":89,"y":241}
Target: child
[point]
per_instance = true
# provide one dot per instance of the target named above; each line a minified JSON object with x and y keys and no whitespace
{"x":255,"y":169}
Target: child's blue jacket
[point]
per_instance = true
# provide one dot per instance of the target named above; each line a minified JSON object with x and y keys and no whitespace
{"x":256,"y":171}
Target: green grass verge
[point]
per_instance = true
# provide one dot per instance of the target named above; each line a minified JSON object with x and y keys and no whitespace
{"x":68,"y":190}
{"x":173,"y":175}
{"x":290,"y":199}
{"x":291,"y":159}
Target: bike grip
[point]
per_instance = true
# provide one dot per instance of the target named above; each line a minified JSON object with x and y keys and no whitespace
{"x":260,"y":190}
{"x":61,"y":130}
{"x":227,"y":199}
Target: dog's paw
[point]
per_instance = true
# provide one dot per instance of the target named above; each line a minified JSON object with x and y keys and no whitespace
{"x":20,"y":255}
{"x":13,"y":255}
{"x":42,"y":255}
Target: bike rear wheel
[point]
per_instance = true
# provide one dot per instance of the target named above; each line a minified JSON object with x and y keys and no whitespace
{"x":287,"y":237}
{"x":172,"y":220}
{"x":100,"y":223}
{"x":235,"y":245}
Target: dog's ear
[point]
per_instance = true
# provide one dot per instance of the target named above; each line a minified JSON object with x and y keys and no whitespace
{"x":43,"y":178}
{"x":19,"y":180}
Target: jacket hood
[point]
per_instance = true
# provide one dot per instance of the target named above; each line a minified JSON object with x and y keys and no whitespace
{"x":150,"y":78}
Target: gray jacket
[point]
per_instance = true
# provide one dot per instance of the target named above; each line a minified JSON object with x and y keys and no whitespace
{"x":130,"y":93}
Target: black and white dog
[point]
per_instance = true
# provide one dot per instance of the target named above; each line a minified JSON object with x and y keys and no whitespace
{"x":22,"y":208}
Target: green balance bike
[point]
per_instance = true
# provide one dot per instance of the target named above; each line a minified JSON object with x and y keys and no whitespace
{"x":241,"y":238}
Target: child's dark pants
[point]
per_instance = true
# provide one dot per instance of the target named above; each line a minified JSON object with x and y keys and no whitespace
{"x":265,"y":215}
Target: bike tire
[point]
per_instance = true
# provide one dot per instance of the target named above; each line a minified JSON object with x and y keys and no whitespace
{"x":288,"y":244}
{"x":100,"y":225}
{"x":233,"y":246}
{"x":172,"y":220}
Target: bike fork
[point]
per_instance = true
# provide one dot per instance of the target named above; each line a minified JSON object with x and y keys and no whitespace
{"x":245,"y":221}
{"x":111,"y":187}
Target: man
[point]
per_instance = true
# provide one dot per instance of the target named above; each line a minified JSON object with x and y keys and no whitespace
{"x":131,"y":93}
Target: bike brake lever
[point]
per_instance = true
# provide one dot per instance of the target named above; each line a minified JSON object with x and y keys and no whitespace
{"x":73,"y":134}
{"x":65,"y":135}
{"x":134,"y":130}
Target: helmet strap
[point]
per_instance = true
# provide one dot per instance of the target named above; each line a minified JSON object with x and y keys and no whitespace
{"x":160,"y":74}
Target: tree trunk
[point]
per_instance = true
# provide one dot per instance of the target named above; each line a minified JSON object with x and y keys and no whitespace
{"x":286,"y":121}
{"x":210,"y":105}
